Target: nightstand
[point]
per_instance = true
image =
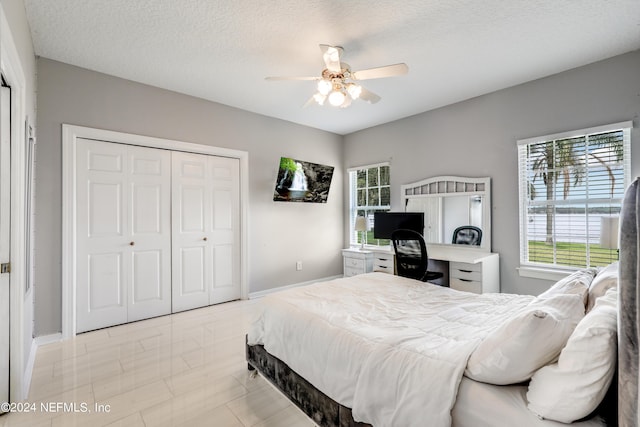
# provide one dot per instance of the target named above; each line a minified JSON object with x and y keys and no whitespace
{"x":356,"y":262}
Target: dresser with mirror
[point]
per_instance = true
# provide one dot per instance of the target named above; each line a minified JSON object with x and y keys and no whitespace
{"x":448,"y":202}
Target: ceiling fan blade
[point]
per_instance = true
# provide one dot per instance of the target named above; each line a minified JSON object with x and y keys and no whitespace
{"x":311,"y":101}
{"x":292,"y":78}
{"x":370,"y":97}
{"x":380,"y":72}
{"x":331,"y":56}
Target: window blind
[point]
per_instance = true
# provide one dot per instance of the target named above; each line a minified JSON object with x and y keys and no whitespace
{"x":568,"y":182}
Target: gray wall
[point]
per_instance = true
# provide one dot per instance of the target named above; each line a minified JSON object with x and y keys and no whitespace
{"x":478,"y":137}
{"x":279,"y":233}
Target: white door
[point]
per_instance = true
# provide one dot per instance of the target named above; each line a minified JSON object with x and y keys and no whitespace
{"x":189,"y":211}
{"x":205,"y":230}
{"x":149,"y":281}
{"x":123,"y":234}
{"x":224,"y":232}
{"x":5,"y":212}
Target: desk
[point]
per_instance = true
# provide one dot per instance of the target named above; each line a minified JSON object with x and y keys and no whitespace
{"x":469,"y":269}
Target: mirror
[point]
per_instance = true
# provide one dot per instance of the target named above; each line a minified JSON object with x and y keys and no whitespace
{"x":450,"y":202}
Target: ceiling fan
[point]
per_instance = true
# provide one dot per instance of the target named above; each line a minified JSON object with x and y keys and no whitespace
{"x":339,"y":85}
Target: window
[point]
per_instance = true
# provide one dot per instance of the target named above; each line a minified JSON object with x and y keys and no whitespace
{"x":369,"y":191}
{"x":568,"y":183}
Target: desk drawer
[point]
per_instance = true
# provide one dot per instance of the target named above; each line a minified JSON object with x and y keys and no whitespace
{"x":465,"y":285}
{"x":462,"y":270}
{"x":383,"y":268}
{"x":383,"y":262}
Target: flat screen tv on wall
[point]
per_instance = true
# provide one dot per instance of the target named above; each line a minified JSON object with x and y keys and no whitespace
{"x":300,"y":181}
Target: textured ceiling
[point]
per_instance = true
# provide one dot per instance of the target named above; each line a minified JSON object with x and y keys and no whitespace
{"x":221,"y":50}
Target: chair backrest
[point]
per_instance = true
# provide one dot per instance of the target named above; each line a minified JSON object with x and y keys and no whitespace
{"x":411,"y":254}
{"x":467,"y":235}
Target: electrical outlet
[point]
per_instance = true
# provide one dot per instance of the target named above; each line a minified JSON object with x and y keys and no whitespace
{"x":298,"y":265}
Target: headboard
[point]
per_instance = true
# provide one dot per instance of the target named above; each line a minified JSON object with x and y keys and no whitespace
{"x":629,"y":299}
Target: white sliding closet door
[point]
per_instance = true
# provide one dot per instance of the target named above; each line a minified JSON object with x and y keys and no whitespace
{"x":123,"y":233}
{"x":205,"y":230}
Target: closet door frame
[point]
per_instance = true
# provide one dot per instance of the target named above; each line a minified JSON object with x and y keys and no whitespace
{"x":70,"y":134}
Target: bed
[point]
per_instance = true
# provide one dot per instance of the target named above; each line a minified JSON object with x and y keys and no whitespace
{"x":378,"y":349}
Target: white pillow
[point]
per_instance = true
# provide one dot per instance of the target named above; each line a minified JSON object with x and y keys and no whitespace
{"x":514,"y":351}
{"x":606,"y":278}
{"x":573,"y":387}
{"x":577,"y":283}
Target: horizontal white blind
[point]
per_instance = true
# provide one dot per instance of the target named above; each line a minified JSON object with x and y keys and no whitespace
{"x":566,"y":185}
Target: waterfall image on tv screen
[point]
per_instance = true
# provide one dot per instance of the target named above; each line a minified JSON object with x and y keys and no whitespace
{"x":300,"y":181}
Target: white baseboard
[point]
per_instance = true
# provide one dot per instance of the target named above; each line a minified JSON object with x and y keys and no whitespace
{"x":28,"y":371}
{"x":260,"y":294}
{"x":48,"y":339}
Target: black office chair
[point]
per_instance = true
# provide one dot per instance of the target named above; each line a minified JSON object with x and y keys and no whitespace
{"x":467,"y":235}
{"x":412,"y":260}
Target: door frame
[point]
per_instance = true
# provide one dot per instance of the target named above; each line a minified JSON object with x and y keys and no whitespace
{"x":19,"y":300}
{"x":70,"y":135}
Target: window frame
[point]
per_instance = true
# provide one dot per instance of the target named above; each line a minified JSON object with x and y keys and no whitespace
{"x":553,"y":271}
{"x":352,"y":174}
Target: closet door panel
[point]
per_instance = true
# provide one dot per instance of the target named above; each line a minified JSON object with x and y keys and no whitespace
{"x":191,"y":272}
{"x":105,"y":215}
{"x":193,"y":268}
{"x":150,"y":237}
{"x":192,"y":208}
{"x":106,"y":284}
{"x":101,"y":226}
{"x":225,"y":235}
{"x":223,"y":271}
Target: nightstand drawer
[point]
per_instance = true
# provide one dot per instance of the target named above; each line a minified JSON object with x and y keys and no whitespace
{"x":348,"y":271}
{"x":465,"y":285}
{"x":354,"y":263}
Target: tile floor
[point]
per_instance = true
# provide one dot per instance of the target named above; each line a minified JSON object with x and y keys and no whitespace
{"x":187,"y":369}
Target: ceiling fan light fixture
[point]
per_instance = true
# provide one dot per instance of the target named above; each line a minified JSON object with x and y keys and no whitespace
{"x":339,"y":85}
{"x":336,"y":98}
{"x":324,"y":87}
{"x":354,"y":90}
{"x":332,"y":54}
{"x":320,"y":98}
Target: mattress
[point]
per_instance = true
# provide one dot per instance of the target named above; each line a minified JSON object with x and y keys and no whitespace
{"x":486,"y":405}
{"x":372,"y":342}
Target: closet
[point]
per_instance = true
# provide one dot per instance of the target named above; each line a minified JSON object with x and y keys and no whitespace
{"x":157,"y":232}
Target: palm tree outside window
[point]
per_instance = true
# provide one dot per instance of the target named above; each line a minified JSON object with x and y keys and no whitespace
{"x":568,"y":182}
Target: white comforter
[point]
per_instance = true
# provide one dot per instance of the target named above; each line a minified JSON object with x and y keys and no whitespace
{"x":392,"y":349}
